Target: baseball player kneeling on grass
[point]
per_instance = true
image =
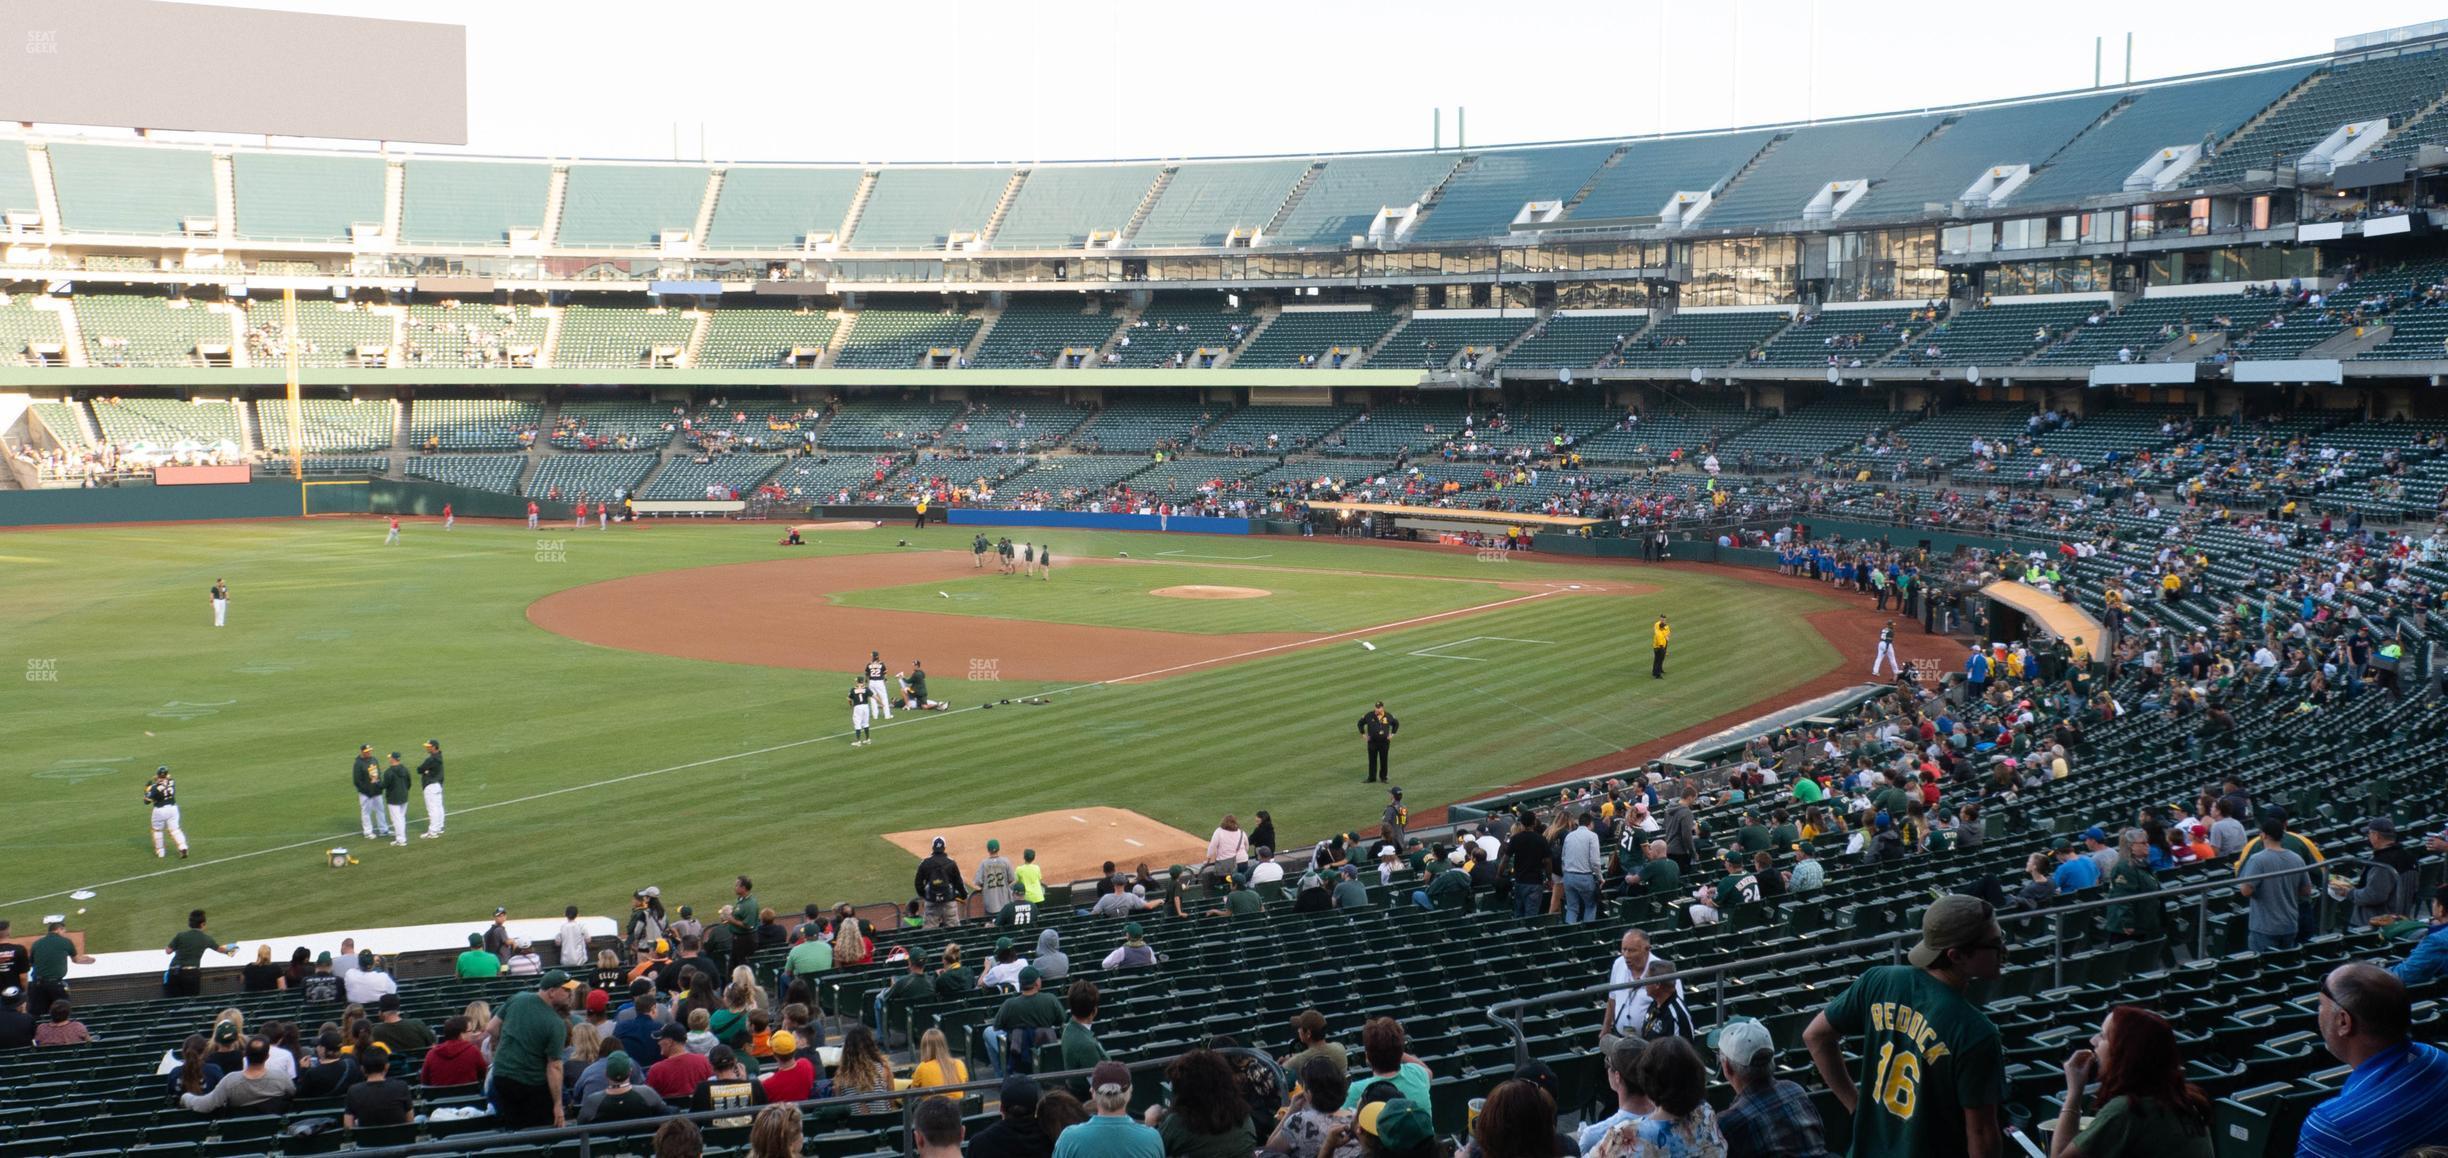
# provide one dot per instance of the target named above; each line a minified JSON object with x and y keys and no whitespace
{"x":875,"y":684}
{"x":162,"y":795}
{"x":862,"y":707}
{"x":914,"y":690}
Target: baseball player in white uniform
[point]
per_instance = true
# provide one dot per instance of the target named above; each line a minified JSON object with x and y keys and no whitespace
{"x":162,"y":795}
{"x":1886,"y":650}
{"x":220,"y":601}
{"x":862,"y":710}
{"x":876,"y":692}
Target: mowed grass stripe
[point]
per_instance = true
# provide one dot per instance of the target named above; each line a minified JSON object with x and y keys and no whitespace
{"x":526,"y":712}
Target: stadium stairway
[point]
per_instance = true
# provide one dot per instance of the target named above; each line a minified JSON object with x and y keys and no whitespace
{"x":547,"y":356}
{"x":1402,"y":317}
{"x":1264,"y":320}
{"x":1147,"y":204}
{"x":850,"y":220}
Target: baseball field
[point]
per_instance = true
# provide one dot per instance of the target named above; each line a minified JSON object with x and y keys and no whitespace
{"x":666,"y":705}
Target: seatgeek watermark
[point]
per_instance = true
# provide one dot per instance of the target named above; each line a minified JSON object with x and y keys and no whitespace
{"x":42,"y":671}
{"x":985,"y":669}
{"x":552,"y":551}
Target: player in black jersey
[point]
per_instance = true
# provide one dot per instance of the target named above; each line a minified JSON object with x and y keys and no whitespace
{"x":875,"y":684}
{"x":162,"y":796}
{"x":862,"y":710}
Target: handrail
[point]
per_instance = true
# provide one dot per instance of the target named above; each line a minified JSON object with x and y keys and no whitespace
{"x":1508,"y":1012}
{"x":587,"y":1133}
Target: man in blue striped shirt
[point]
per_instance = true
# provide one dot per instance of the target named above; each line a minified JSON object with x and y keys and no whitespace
{"x":2396,"y":1099}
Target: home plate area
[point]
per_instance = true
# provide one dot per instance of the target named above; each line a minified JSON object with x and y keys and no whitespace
{"x":1478,"y":643}
{"x":1072,"y":844}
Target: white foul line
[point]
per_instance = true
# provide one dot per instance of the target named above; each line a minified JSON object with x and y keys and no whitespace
{"x":1430,"y":652}
{"x":1327,"y":638}
{"x":1232,"y":558}
{"x":765,"y":751}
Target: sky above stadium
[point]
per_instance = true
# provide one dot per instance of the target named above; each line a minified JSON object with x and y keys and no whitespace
{"x":1015,"y":80}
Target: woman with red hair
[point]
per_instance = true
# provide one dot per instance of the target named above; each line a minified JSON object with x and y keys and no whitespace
{"x":2144,"y":1106}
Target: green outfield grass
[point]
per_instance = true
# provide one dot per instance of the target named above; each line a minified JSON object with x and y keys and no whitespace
{"x":1119,"y":595}
{"x":578,"y":774}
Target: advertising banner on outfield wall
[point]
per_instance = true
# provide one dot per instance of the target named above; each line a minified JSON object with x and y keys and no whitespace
{"x":189,"y":476}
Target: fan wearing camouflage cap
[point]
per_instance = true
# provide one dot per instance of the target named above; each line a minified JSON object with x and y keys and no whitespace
{"x":1932,"y":1068}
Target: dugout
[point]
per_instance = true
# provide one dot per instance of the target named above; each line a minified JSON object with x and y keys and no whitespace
{"x":2020,"y":610}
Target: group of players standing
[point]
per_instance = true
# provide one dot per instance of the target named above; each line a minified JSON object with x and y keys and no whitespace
{"x":382,"y":793}
{"x":868,"y":696}
{"x":1026,"y":559}
{"x":382,"y":798}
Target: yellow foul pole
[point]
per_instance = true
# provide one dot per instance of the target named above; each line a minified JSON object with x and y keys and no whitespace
{"x":289,"y":344}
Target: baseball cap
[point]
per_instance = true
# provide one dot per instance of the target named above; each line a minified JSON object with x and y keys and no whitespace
{"x":2097,"y":833}
{"x":1394,"y":791}
{"x":323,"y":958}
{"x":1386,"y":852}
{"x":225,"y":1031}
{"x":1616,"y":1046}
{"x":618,"y":1066}
{"x":1030,"y":976}
{"x":1741,"y":1043}
{"x":939,"y":844}
{"x":598,"y":1000}
{"x":11,"y":994}
{"x":782,"y":1041}
{"x":498,"y":910}
{"x":365,"y":747}
{"x":395,"y":753}
{"x":2383,"y":825}
{"x":1539,"y":1074}
{"x":662,"y":946}
{"x":1399,"y":1123}
{"x":1954,"y":922}
{"x":672,"y":1031}
{"x":1002,"y":943}
{"x":475,"y":939}
{"x":556,"y":979}
{"x":1133,"y":931}
{"x":1309,"y":1021}
{"x":687,"y":911}
{"x":651,"y":891}
{"x":164,"y":770}
{"x":1021,"y":1092}
{"x":1109,"y":1077}
{"x":994,"y":846}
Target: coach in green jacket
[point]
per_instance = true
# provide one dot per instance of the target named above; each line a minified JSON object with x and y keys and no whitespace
{"x":395,"y":785}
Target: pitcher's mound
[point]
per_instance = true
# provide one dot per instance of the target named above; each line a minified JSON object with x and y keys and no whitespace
{"x":1204,"y":591}
{"x":1072,"y":843}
